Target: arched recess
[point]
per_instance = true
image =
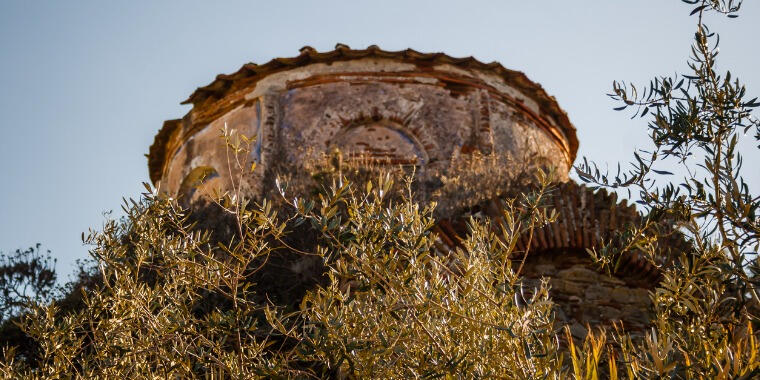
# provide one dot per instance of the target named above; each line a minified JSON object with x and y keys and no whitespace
{"x":380,"y":141}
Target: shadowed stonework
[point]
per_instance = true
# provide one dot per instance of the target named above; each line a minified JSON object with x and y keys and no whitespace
{"x":411,"y":109}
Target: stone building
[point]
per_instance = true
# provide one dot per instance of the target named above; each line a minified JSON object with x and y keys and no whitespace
{"x":406,"y":108}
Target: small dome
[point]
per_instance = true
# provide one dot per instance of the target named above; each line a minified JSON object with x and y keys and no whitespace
{"x":401,"y":108}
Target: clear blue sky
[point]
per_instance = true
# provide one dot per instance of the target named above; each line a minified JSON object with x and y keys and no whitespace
{"x":85,"y":85}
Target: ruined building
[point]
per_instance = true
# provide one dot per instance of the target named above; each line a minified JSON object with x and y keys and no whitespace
{"x":411,"y":109}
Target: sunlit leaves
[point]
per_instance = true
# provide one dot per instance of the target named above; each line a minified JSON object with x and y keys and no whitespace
{"x":709,"y":286}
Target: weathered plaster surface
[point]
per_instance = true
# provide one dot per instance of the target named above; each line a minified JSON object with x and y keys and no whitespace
{"x":393,"y":112}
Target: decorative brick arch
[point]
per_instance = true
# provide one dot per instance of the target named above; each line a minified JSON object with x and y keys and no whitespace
{"x":398,"y":124}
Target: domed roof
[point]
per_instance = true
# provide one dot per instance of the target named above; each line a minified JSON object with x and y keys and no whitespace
{"x":249,"y":74}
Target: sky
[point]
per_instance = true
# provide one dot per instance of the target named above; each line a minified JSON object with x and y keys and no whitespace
{"x":85,"y":85}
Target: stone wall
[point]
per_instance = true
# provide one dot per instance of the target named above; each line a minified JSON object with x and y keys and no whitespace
{"x":585,"y":296}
